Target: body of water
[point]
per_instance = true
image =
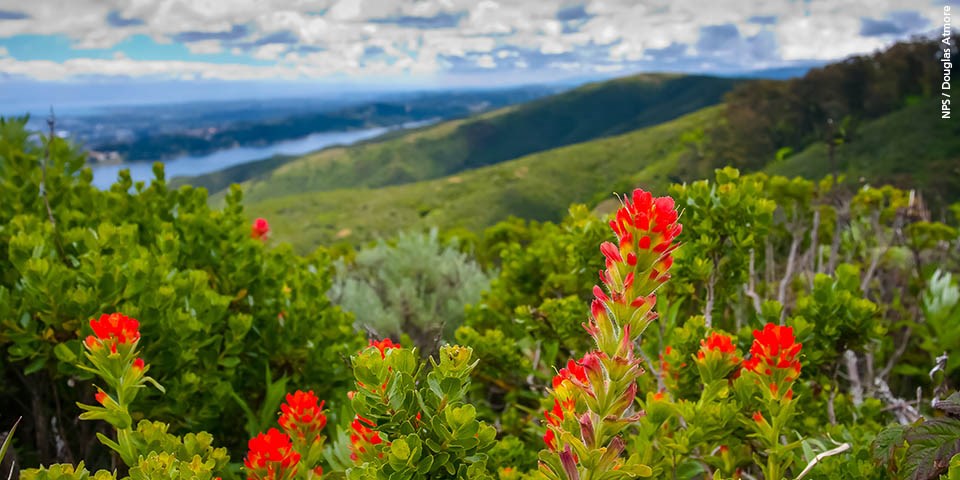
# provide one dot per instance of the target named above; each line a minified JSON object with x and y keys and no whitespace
{"x":106,"y":175}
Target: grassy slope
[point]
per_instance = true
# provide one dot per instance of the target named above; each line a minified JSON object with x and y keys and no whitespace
{"x":539,"y":186}
{"x":593,"y":111}
{"x":910,"y":148}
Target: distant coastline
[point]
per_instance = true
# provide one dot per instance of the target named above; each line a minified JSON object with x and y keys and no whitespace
{"x":105,"y":174}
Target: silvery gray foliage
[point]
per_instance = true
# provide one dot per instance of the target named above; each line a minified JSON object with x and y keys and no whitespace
{"x":415,"y":284}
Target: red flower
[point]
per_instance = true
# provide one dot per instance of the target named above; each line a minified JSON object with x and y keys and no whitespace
{"x":111,"y":330}
{"x":773,"y":348}
{"x":138,"y":365}
{"x":102,"y":397}
{"x":758,"y":417}
{"x":573,"y":372}
{"x":550,"y":439}
{"x":636,"y":265}
{"x":720,"y":343}
{"x":555,"y":415}
{"x":259,"y":229}
{"x":383,"y":346}
{"x":363,"y":436}
{"x":271,"y":457}
{"x":302,"y":416}
{"x":773,"y":356}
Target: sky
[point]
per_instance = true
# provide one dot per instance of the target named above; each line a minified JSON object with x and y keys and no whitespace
{"x":462,"y":42}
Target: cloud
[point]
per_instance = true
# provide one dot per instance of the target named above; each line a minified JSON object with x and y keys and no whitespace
{"x":114,"y":19}
{"x":12,"y":15}
{"x":376,"y":38}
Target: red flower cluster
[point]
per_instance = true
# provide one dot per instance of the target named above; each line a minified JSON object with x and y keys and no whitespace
{"x":363,"y":436}
{"x":773,"y":357}
{"x":271,"y":457}
{"x":111,"y":330}
{"x":259,"y":229}
{"x":573,"y":372}
{"x":383,"y":346}
{"x":636,"y":266}
{"x":718,"y":342}
{"x":302,"y":416}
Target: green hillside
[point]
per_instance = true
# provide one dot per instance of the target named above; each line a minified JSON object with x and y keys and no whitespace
{"x":539,"y":186}
{"x":593,"y":111}
{"x":910,"y":148}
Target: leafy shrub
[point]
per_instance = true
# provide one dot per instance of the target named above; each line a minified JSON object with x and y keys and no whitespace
{"x":415,"y":286}
{"x":220,"y":307}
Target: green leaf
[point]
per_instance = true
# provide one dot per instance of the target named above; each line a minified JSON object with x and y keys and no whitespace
{"x":932,"y":444}
{"x":6,"y":441}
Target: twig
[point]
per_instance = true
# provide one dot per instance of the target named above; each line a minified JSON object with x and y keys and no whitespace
{"x":820,"y":456}
{"x":905,"y":413}
{"x":787,"y":274}
{"x":897,"y":354}
{"x":814,"y":246}
{"x":708,"y":307}
{"x":656,"y":372}
{"x":853,"y":376}
{"x":750,"y":287}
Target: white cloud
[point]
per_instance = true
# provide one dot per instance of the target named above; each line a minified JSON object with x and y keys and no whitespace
{"x":4,"y":52}
{"x":205,"y":47}
{"x":418,"y":37}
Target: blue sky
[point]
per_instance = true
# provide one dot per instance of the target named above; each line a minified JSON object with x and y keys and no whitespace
{"x":477,"y":42}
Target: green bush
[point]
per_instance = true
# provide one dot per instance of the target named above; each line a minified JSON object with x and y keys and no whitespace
{"x":218,"y":307}
{"x":415,"y":285}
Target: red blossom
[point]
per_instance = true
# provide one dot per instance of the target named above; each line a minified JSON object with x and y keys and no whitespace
{"x":138,"y":365}
{"x":111,"y":330}
{"x":774,"y":347}
{"x":362,"y":436}
{"x":773,"y":357}
{"x":550,"y":439}
{"x":271,"y":457}
{"x":259,"y":229}
{"x":102,"y":397}
{"x":720,"y":343}
{"x":574,"y":372}
{"x":383,"y":346}
{"x":302,"y":416}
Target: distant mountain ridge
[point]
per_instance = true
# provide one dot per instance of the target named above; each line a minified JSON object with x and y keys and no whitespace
{"x":592,"y":111}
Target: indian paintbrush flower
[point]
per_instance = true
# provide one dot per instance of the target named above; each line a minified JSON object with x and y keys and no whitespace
{"x":773,"y":359}
{"x":605,"y":380}
{"x":302,"y":417}
{"x":717,"y":357}
{"x":773,"y":366}
{"x":260,"y":229}
{"x":111,"y":330}
{"x":271,"y":457}
{"x":363,"y":438}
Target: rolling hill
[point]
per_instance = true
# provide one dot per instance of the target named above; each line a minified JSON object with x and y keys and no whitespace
{"x":589,"y":112}
{"x":540,"y":186}
{"x":910,"y":148}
